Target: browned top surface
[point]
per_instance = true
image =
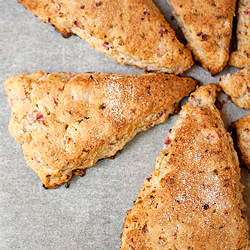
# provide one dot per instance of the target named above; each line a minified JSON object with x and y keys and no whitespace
{"x":207,"y":28}
{"x":192,"y":200}
{"x":132,"y":27}
{"x":60,"y":117}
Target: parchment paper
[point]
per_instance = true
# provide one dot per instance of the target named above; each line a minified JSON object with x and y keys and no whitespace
{"x":89,"y":214}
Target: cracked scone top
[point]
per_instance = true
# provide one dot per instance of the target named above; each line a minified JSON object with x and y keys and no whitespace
{"x":207,"y":26}
{"x":66,"y":122}
{"x":193,"y":199}
{"x":129,"y":31}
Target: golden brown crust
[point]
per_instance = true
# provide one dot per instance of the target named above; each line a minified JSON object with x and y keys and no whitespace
{"x":129,"y":31}
{"x":241,"y":57}
{"x":237,"y":86}
{"x":207,"y":26}
{"x":66,"y":122}
{"x":242,"y":129}
{"x":193,"y":199}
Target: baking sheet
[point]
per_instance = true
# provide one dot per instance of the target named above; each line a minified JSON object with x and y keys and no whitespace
{"x":89,"y":214}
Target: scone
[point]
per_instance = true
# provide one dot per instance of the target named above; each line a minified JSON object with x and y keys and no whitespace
{"x":237,"y":86}
{"x":130,"y":32}
{"x":207,"y":26}
{"x":66,"y":122}
{"x":193,"y":199}
{"x":242,"y":129}
{"x":241,"y":57}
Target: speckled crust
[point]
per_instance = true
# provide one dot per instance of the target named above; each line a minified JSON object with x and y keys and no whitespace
{"x":129,"y":31}
{"x":192,"y":200}
{"x":242,"y":129}
{"x":207,"y":26}
{"x":241,"y":57}
{"x":237,"y":86}
{"x":66,"y":122}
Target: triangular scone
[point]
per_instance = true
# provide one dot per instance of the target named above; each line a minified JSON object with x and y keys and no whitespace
{"x":237,"y":86}
{"x":66,"y":122}
{"x":130,"y":32}
{"x":192,"y":200}
{"x":241,"y":57}
{"x":207,"y":26}
{"x":242,"y":129}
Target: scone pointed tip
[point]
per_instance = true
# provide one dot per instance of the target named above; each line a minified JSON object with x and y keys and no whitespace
{"x":205,"y":94}
{"x":207,"y":27}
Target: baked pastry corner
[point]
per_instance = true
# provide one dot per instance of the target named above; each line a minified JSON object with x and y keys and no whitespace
{"x":207,"y":26}
{"x":192,"y":199}
{"x":130,"y":32}
{"x":237,"y":86}
{"x":66,"y":122}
